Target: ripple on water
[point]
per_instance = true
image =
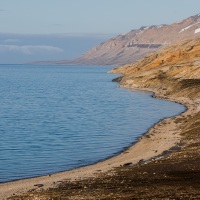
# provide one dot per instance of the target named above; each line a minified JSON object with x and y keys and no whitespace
{"x":56,"y":118}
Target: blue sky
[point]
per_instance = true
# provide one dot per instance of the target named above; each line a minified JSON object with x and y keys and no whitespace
{"x":90,"y":16}
{"x":32,"y":30}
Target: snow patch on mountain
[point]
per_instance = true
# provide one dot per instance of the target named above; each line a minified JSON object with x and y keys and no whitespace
{"x":184,"y":29}
{"x":197,"y":30}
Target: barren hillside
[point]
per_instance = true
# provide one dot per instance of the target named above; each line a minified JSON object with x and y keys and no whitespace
{"x":127,"y":48}
{"x":175,"y":69}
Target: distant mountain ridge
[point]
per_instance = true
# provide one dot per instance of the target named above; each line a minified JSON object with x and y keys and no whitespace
{"x":127,"y":48}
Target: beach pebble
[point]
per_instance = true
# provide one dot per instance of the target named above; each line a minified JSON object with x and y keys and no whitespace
{"x":141,"y":161}
{"x":39,"y":185}
{"x":128,"y":164}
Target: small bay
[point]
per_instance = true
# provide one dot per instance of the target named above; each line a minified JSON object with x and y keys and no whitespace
{"x":56,"y":118}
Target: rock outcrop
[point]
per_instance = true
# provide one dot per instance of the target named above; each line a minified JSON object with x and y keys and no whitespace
{"x":175,"y":69}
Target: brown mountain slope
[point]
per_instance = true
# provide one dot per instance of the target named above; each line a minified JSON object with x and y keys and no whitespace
{"x":175,"y":69}
{"x":136,"y":44}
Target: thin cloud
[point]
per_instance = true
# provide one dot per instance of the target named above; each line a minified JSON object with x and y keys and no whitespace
{"x":11,"y":40}
{"x":2,"y":10}
{"x":30,"y":49}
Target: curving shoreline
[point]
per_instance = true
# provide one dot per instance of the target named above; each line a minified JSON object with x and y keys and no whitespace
{"x":173,"y":74}
{"x":161,"y":137}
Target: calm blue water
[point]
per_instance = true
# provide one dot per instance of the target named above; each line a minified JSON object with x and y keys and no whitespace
{"x":55,"y":118}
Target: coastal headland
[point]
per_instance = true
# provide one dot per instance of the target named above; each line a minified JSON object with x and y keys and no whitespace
{"x":163,"y":164}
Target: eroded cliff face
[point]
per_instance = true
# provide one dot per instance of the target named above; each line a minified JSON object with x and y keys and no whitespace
{"x":174,"y":70}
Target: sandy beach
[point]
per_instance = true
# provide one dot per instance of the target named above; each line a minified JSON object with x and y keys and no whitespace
{"x":160,"y":138}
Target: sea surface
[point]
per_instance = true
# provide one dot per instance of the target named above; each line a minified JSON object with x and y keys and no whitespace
{"x":56,"y":118}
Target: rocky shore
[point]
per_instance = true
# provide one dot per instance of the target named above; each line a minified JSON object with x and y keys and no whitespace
{"x":163,"y":164}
